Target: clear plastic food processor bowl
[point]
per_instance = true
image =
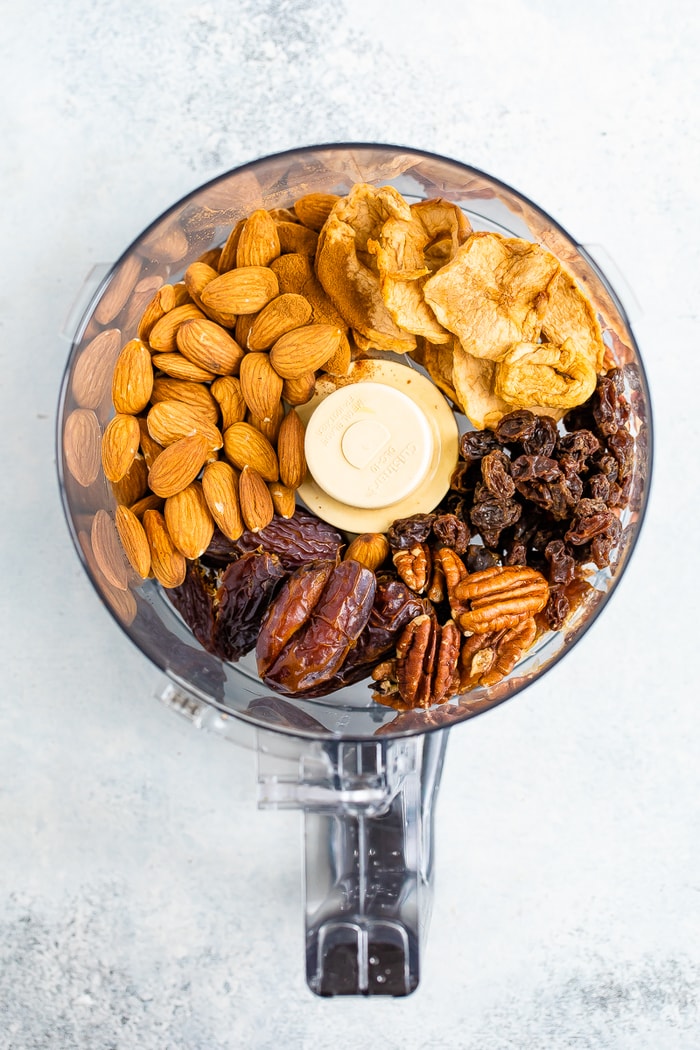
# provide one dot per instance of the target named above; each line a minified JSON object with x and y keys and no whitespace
{"x":365,"y":776}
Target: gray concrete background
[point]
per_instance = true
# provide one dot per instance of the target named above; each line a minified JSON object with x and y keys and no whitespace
{"x":145,"y":902}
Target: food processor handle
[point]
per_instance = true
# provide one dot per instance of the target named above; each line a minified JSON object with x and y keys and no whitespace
{"x":368,"y":857}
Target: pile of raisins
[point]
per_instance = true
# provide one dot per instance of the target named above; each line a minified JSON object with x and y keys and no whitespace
{"x":546,"y":496}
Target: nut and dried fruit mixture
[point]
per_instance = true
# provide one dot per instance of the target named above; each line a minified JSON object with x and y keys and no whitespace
{"x":205,"y":451}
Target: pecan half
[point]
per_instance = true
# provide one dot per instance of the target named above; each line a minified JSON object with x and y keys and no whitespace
{"x":413,"y":566}
{"x":488,"y":658}
{"x":498,"y":598}
{"x":424,"y":670}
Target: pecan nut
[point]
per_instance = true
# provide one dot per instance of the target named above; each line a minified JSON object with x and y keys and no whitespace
{"x":413,"y":565}
{"x":424,"y":670}
{"x":499,"y":598}
{"x":488,"y":658}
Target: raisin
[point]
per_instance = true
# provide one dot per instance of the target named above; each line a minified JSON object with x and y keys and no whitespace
{"x":495,"y":471}
{"x":492,"y":515}
{"x":557,"y":608}
{"x":621,"y":445}
{"x":451,"y":531}
{"x":561,"y":565}
{"x":543,"y":439}
{"x":606,"y":409}
{"x":516,"y":426}
{"x":479,"y":558}
{"x":477,"y":443}
{"x":405,"y":533}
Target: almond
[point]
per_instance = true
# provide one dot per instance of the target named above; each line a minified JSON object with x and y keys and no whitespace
{"x":134,"y":484}
{"x":149,"y":446}
{"x":148,"y":502}
{"x":297,"y":238}
{"x":371,"y":549}
{"x":280,"y":316}
{"x":338,"y":363}
{"x":92,"y":375}
{"x":260,"y":385}
{"x":197,"y":277}
{"x":120,"y":443}
{"x":178,"y":465}
{"x":165,"y":299}
{"x":134,"y":540}
{"x":189,"y":522}
{"x":197,"y":395}
{"x":139,"y":299}
{"x":258,"y":243}
{"x":163,"y":335}
{"x":304,"y":349}
{"x":270,"y":427}
{"x":132,"y":379}
{"x":227,"y":259}
{"x":81,"y":445}
{"x":299,"y":391}
{"x":257,"y":507}
{"x":118,"y":290}
{"x":210,"y":346}
{"x":283,"y":499}
{"x":220,"y":488}
{"x":229,"y":397}
{"x":169,"y":566}
{"x":168,"y":421}
{"x":244,"y":323}
{"x":108,"y":551}
{"x":242,"y":291}
{"x":177,"y":366}
{"x":290,"y":450}
{"x":314,"y":208}
{"x":245,"y":446}
{"x":211,"y":257}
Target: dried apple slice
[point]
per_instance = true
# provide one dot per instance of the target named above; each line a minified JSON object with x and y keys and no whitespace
{"x":542,"y":375}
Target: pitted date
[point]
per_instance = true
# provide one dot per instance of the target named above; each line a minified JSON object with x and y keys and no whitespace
{"x":394,"y":606}
{"x":247,"y":588}
{"x":296,"y":540}
{"x":194,"y":600}
{"x":316,"y":635}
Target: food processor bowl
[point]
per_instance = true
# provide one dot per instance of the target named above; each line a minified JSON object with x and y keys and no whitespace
{"x":365,"y":775}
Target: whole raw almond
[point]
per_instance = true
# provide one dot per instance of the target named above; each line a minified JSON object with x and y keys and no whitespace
{"x":297,"y":238}
{"x":371,"y":549}
{"x":283,"y":499}
{"x":227,"y":259}
{"x":244,"y":323}
{"x":257,"y":507}
{"x":197,"y":277}
{"x":165,"y":388}
{"x":189,"y":522}
{"x":177,"y":366}
{"x":300,"y":390}
{"x":81,"y":445}
{"x":163,"y":335}
{"x":210,"y":346}
{"x":108,"y":551}
{"x":120,"y":443}
{"x":269,"y":427}
{"x":148,"y":502}
{"x":220,"y":488}
{"x":92,"y":375}
{"x":132,"y":380}
{"x":338,"y":363}
{"x":150,"y":448}
{"x":290,"y":450}
{"x":134,"y":485}
{"x":304,"y":349}
{"x":165,"y":299}
{"x":245,"y":446}
{"x":118,"y":290}
{"x":178,"y":465}
{"x":168,"y":564}
{"x":168,"y":421}
{"x":258,"y":243}
{"x":134,"y":540}
{"x":314,"y":208}
{"x":244,"y":290}
{"x":260,"y":385}
{"x":284,"y":313}
{"x":227,"y":393}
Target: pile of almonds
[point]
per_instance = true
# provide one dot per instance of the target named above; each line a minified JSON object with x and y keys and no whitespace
{"x":205,"y":432}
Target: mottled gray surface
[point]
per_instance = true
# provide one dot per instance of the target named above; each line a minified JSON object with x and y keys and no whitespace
{"x":145,"y":903}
